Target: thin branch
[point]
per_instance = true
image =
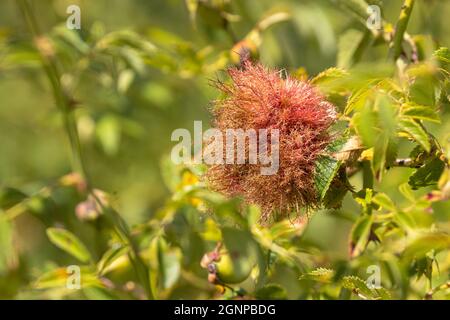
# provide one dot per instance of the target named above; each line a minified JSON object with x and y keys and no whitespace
{"x":407,"y":162}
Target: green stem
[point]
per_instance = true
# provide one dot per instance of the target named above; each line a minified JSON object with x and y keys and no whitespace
{"x":400,"y":28}
{"x":362,"y":46}
{"x":64,"y":104}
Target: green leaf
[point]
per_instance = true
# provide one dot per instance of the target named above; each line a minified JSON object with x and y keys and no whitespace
{"x":67,"y":241}
{"x":404,"y":220}
{"x":192,"y":6}
{"x":427,"y":175}
{"x":359,"y":287}
{"x":271,"y":292}
{"x":349,"y":42}
{"x":283,"y":230}
{"x":108,"y":132}
{"x":311,"y":20}
{"x":6,"y":244}
{"x":337,"y":191}
{"x":73,"y":38}
{"x":126,"y":39}
{"x":365,"y":123}
{"x":384,"y":201}
{"x":416,"y":132}
{"x":326,"y":169}
{"x":171,"y":173}
{"x":328,"y":75}
{"x":10,"y":197}
{"x":337,"y":144}
{"x":425,"y":243}
{"x":243,"y":249}
{"x":157,"y":94}
{"x":406,"y":191}
{"x":22,"y":57}
{"x":272,"y":18}
{"x":359,"y":236}
{"x":134,"y":59}
{"x":125,"y":80}
{"x":422,"y":90}
{"x":357,"y":7}
{"x":420,"y":112}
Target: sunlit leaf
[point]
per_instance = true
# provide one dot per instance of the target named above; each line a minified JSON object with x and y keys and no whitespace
{"x":67,"y":241}
{"x":360,"y":233}
{"x":10,"y":197}
{"x":109,"y":257}
{"x":320,"y":275}
{"x":192,"y":6}
{"x":416,"y":132}
{"x":420,"y":112}
{"x":6,"y":244}
{"x":360,"y":287}
{"x":427,"y":175}
{"x":165,"y":265}
{"x":97,"y":293}
{"x":384,"y":201}
{"x":243,"y":252}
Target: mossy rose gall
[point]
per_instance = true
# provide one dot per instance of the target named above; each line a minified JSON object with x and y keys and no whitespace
{"x":260,"y":98}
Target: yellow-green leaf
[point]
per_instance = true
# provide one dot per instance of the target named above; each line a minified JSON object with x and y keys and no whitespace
{"x":412,"y":128}
{"x":320,"y":275}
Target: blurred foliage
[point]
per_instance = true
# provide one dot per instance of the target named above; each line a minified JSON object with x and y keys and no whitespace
{"x":85,"y":178}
